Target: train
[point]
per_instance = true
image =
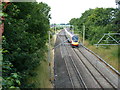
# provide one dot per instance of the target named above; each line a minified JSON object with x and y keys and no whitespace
{"x":72,"y":39}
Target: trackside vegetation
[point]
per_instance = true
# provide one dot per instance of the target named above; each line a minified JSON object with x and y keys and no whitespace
{"x":24,"y":43}
{"x":97,"y":22}
{"x":110,"y":54}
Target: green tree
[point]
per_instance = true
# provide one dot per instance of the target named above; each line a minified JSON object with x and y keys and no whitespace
{"x":116,"y":21}
{"x":97,"y":21}
{"x":25,"y":40}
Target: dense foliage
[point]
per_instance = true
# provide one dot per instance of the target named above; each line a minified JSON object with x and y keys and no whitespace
{"x":25,"y":38}
{"x":97,"y":22}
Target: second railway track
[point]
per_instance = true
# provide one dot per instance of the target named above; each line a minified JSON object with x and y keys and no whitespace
{"x":95,"y":73}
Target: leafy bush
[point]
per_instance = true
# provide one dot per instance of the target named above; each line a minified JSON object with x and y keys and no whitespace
{"x":25,"y":38}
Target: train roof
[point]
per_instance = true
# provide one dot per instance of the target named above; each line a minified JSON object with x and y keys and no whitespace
{"x":68,"y":32}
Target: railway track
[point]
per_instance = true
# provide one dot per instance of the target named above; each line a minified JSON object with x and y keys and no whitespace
{"x":73,"y":72}
{"x":99,"y":77}
{"x":86,"y":72}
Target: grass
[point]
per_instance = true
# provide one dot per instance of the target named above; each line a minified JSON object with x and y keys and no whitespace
{"x":45,"y":73}
{"x":108,"y":53}
{"x":42,"y":78}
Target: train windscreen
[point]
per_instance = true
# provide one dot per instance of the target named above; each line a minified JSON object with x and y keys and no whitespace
{"x":75,"y":38}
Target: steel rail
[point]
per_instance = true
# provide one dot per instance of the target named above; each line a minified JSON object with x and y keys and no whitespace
{"x":113,"y":69}
{"x":78,"y":73}
{"x":76,"y":70}
{"x":70,"y":77}
{"x":62,"y":51}
{"x":99,"y":71}
{"x":67,"y":68}
{"x":87,"y":68}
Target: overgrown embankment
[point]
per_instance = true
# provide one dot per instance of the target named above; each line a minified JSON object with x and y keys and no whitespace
{"x":45,"y":71}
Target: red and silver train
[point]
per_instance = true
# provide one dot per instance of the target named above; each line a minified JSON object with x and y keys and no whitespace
{"x":73,"y":39}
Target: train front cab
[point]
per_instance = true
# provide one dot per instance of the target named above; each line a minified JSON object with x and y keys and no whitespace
{"x":75,"y":41}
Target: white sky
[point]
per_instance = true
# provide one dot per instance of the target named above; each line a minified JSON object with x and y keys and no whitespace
{"x":62,"y":11}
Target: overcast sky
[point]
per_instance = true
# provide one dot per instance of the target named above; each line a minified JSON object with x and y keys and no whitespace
{"x":62,"y":11}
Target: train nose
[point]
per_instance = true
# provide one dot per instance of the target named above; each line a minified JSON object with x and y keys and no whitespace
{"x":75,"y":44}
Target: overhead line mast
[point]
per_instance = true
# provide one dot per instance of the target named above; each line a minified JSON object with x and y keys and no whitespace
{"x":118,"y":3}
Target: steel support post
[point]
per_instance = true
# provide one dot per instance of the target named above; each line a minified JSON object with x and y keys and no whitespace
{"x":83,"y":34}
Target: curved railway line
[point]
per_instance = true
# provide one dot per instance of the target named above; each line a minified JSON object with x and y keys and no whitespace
{"x":85,"y":70}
